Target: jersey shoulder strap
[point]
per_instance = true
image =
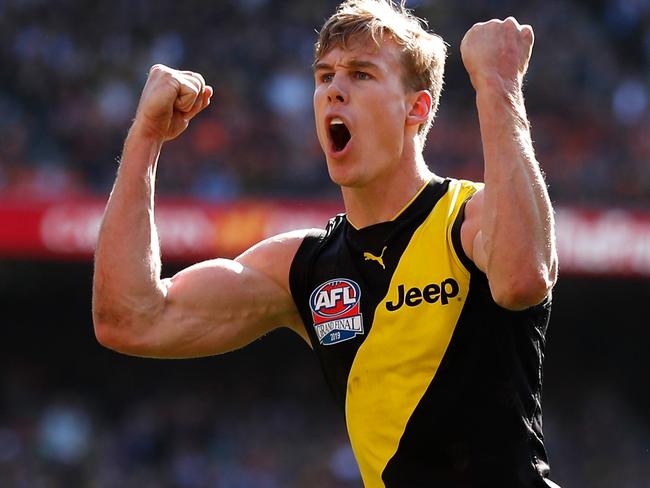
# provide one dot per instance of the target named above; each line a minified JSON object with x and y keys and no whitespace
{"x":306,"y":254}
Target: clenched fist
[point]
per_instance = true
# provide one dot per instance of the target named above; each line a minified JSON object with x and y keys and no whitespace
{"x":497,"y":51}
{"x":169,"y":100}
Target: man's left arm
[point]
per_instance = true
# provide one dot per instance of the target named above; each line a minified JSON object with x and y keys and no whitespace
{"x":509,"y":230}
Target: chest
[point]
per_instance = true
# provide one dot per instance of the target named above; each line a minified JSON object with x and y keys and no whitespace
{"x":387,"y":284}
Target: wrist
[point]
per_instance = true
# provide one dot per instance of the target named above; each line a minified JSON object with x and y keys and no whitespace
{"x":144,"y":132}
{"x":494,"y":84}
{"x":142,"y":145}
{"x":493,"y":90}
{"x":499,"y":100}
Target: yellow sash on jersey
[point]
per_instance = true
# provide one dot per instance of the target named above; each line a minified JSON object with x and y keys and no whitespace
{"x":398,"y":360}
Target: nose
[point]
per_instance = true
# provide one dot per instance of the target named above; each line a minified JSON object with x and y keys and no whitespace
{"x":336,"y":93}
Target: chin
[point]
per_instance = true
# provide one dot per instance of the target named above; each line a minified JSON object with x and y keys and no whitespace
{"x":339,"y":179}
{"x":342,"y":175}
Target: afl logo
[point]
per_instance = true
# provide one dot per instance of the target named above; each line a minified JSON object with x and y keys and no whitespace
{"x":335,"y":307}
{"x":335,"y":298}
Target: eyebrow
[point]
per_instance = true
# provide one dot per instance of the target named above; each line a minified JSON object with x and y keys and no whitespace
{"x":352,"y":64}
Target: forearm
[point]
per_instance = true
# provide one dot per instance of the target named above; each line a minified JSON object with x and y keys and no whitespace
{"x":517,"y":219}
{"x":127,"y":260}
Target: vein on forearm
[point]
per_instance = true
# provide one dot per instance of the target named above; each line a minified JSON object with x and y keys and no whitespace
{"x":128,"y":251}
{"x":517,"y":220}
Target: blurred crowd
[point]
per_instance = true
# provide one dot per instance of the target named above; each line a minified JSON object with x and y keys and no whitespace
{"x":70,"y":76}
{"x":72,"y":72}
{"x":166,"y":435}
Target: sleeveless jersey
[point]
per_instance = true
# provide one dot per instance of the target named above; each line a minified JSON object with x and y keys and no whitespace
{"x":440,"y":386}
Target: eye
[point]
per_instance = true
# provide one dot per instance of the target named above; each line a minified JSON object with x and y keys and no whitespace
{"x":326,"y":77}
{"x":362,"y":75}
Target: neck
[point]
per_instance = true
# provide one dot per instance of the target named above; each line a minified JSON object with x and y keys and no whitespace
{"x":381,"y":199}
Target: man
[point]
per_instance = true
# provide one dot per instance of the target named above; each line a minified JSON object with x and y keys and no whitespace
{"x":427,"y":302}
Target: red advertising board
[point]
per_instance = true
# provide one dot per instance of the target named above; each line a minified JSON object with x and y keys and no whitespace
{"x":188,"y":230}
{"x":604,"y":241}
{"x":607,"y":242}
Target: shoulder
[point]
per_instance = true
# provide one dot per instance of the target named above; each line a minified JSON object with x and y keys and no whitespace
{"x":273,"y":256}
{"x":468,"y":225}
{"x":465,"y":202}
{"x":460,"y":200}
{"x":463,"y":193}
{"x":473,"y":206}
{"x":464,"y":189}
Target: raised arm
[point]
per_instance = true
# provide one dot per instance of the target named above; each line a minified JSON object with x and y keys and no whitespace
{"x":509,"y":227}
{"x":209,"y":308}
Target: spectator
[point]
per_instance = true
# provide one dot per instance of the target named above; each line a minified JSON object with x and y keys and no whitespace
{"x":72,"y":82}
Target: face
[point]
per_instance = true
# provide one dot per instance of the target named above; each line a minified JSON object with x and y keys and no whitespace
{"x":361,"y":108}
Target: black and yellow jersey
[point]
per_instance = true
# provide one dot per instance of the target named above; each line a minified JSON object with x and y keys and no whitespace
{"x":440,"y":386}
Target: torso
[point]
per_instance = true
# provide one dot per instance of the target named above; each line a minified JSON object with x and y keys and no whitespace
{"x":439,"y":384}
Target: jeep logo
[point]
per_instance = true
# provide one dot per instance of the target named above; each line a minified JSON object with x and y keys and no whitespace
{"x":430,"y":294}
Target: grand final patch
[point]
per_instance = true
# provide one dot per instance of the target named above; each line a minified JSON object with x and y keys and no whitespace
{"x":336,"y":310}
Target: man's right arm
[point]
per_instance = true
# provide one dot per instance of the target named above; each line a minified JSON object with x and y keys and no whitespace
{"x":209,"y":308}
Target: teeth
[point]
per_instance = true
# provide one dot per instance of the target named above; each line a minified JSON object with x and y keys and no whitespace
{"x":336,"y":121}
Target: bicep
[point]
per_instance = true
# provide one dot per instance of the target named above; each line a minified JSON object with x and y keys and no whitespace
{"x":217,"y":306}
{"x":221,"y":305}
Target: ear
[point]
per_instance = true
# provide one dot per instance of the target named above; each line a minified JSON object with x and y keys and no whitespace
{"x":419,"y":107}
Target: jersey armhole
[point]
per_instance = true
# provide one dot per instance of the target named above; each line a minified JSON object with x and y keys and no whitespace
{"x":456,"y":242}
{"x":299,"y":273}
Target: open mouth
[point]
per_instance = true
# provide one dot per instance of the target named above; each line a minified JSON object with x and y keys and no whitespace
{"x":339,"y":134}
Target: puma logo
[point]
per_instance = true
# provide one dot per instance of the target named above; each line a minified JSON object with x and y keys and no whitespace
{"x":371,"y":257}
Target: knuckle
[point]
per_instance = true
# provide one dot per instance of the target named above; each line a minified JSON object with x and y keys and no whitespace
{"x":158,"y":68}
{"x":191,"y":81}
{"x":194,"y":88}
{"x":194,"y":77}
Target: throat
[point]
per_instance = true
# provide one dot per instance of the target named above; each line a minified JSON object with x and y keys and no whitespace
{"x":380,"y":202}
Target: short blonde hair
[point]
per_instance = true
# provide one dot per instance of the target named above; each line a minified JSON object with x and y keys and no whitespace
{"x":423,"y":53}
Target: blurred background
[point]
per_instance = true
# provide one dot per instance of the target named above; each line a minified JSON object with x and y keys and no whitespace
{"x":75,"y":415}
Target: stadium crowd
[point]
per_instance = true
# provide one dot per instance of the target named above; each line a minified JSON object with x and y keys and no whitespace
{"x":227,"y":433}
{"x":166,"y":435}
{"x":73,"y":71}
{"x":189,"y":431}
